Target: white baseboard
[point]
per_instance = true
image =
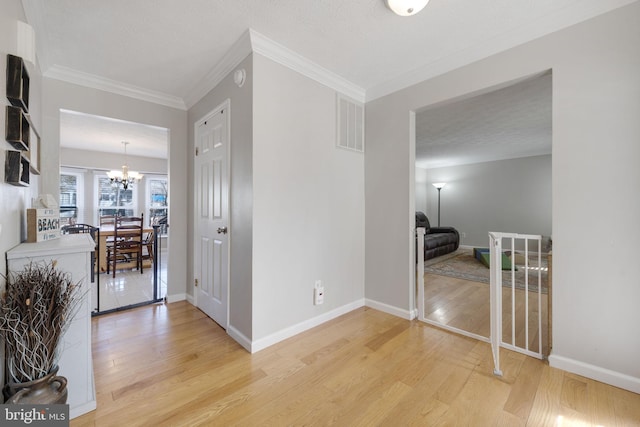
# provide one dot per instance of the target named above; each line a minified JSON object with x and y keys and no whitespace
{"x":190,"y":299}
{"x":282,"y":335}
{"x":76,"y":411}
{"x":395,"y":311}
{"x":176,"y":298}
{"x":597,"y":373}
{"x":239,"y":337}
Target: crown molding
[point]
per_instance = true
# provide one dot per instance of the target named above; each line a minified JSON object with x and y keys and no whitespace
{"x":70,"y":75}
{"x":252,"y":41}
{"x":236,"y":54}
{"x":285,"y":56}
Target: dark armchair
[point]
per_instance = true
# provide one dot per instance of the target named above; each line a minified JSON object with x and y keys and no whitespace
{"x":437,"y":240}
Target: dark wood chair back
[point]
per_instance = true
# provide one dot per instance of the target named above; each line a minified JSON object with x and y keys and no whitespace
{"x":127,"y":240}
{"x":108,"y":220}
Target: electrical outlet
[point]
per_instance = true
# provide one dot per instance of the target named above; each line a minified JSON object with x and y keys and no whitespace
{"x":463,"y":235}
{"x":318,"y":293}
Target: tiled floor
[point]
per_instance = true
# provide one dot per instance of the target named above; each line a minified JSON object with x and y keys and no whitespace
{"x":130,"y":287}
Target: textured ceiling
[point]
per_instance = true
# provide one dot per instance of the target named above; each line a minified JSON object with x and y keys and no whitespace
{"x":513,"y":121}
{"x":169,"y":46}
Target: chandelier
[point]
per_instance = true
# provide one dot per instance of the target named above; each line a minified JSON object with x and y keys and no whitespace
{"x":125,"y":177}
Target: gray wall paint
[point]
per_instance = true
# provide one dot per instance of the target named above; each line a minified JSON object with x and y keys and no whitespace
{"x":512,"y":196}
{"x":61,"y":95}
{"x":308,"y":202}
{"x":297,"y":204}
{"x":14,"y":200}
{"x":596,"y":105}
{"x":241,"y":181}
{"x":421,"y":189}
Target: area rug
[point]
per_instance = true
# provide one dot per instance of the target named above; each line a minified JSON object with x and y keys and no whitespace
{"x":463,"y":265}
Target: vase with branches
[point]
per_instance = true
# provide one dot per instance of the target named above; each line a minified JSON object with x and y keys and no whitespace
{"x":36,"y":310}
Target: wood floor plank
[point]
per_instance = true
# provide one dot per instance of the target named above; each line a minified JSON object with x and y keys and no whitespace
{"x":574,"y":394}
{"x":524,"y":389}
{"x":479,"y":402}
{"x":364,"y":368}
{"x":421,"y":407}
{"x":601,"y":404}
{"x":377,"y":409}
{"x":464,"y":304}
{"x":546,"y":406}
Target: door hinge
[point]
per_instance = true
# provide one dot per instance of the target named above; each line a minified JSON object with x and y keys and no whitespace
{"x":196,"y":283}
{"x":197,"y":151}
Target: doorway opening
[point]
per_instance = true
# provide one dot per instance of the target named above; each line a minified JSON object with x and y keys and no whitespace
{"x":483,"y":164}
{"x":90,"y":148}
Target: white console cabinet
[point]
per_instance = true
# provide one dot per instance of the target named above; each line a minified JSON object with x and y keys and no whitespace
{"x":72,"y":254}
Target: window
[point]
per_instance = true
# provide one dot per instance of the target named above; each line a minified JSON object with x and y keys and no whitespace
{"x":115,"y":200}
{"x":157,"y":198}
{"x":71,"y":197}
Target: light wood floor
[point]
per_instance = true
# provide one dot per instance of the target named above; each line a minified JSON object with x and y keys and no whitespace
{"x":464,"y":304}
{"x":171,"y":365}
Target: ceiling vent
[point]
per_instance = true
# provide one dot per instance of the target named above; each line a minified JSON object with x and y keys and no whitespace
{"x":350,"y":124}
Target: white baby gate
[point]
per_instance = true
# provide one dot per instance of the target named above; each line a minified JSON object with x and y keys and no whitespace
{"x":532,"y":288}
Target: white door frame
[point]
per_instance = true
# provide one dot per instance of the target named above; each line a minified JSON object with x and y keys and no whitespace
{"x":226,"y":105}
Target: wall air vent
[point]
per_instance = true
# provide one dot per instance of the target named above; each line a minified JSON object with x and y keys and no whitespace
{"x":350,"y":124}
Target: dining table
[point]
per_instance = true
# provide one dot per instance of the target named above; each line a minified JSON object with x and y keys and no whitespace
{"x":108,"y":230}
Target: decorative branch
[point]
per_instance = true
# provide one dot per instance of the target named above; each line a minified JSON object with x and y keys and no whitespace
{"x":35,"y":311}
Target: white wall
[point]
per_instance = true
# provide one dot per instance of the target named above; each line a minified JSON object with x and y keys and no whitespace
{"x":241,"y":189}
{"x":511,"y":196}
{"x":596,"y":105}
{"x":308,"y":204}
{"x":14,"y":200}
{"x":421,"y":189}
{"x":61,"y":95}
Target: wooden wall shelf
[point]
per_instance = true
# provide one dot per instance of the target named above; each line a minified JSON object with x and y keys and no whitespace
{"x":17,"y":128}
{"x":17,"y":83}
{"x":16,"y":169}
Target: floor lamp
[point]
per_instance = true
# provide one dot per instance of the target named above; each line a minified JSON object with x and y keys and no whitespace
{"x":439,"y":186}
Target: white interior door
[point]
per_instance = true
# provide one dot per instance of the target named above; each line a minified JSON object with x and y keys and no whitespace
{"x":212,"y":214}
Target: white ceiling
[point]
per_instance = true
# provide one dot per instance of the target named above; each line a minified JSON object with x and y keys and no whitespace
{"x":510,"y":122}
{"x":95,"y":133}
{"x":168,"y":47}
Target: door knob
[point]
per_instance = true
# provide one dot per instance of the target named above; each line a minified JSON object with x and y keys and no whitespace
{"x":222,"y":230}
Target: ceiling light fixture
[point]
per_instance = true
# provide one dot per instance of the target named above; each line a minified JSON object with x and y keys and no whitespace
{"x":125,"y":177}
{"x":406,"y":7}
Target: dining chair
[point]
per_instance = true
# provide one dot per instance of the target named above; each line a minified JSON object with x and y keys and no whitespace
{"x":127,"y":242}
{"x":107,"y":220}
{"x":147,"y":243}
